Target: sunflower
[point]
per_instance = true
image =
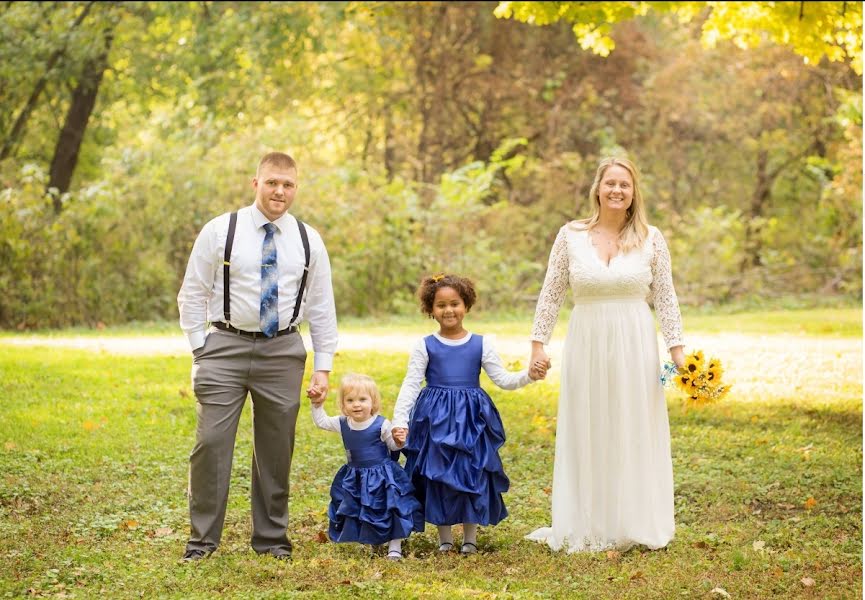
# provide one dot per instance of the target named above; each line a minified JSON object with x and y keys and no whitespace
{"x":721,"y":391}
{"x":694,"y":362}
{"x":685,"y":381}
{"x":714,"y":371}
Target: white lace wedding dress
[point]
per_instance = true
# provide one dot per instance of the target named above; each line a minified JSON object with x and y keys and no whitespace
{"x":613,"y":473}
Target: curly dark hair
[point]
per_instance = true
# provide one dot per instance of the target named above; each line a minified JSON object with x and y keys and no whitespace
{"x":430,"y":284}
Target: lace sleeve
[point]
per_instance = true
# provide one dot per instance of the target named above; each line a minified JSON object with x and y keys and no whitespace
{"x":553,"y":293}
{"x":664,"y":294}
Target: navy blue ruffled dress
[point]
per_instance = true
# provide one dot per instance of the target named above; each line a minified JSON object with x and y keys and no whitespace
{"x":371,"y":497}
{"x":455,"y":433}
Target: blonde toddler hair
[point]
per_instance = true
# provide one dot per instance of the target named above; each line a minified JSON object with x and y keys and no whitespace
{"x":352,"y":382}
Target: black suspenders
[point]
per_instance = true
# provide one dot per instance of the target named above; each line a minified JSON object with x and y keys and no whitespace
{"x":305,"y":241}
{"x":226,"y":267}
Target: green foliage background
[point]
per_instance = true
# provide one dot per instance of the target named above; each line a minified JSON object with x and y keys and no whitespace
{"x":430,"y":136}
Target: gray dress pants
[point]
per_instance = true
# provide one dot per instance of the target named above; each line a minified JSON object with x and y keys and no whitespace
{"x":227,"y":368}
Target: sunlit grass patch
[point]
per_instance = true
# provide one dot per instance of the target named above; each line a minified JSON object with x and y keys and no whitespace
{"x":93,"y":467}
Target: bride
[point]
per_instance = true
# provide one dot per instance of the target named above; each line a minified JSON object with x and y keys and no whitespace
{"x":613,"y":473}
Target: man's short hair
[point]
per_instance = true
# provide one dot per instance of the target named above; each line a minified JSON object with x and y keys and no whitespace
{"x":281,"y":160}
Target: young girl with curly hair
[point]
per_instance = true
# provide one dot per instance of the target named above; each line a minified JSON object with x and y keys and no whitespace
{"x":453,"y":429}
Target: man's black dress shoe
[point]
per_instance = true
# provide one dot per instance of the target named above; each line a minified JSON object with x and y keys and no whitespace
{"x":279,"y":554}
{"x":194,"y":554}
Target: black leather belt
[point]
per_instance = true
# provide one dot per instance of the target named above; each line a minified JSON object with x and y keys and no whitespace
{"x":252,"y":334}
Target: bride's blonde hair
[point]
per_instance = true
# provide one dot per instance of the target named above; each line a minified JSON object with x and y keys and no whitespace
{"x":636,"y":228}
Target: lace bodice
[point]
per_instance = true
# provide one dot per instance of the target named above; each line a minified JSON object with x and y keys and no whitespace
{"x":643,"y":272}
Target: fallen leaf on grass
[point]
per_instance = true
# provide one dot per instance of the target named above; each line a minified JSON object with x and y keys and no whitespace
{"x":778,"y":572}
{"x":637,"y":575}
{"x":720,"y":592}
{"x":810,"y":503}
{"x":807,"y":582}
{"x":759,"y":546}
{"x":613,"y":555}
{"x":129,"y":524}
{"x":321,"y":537}
{"x":163,"y":531}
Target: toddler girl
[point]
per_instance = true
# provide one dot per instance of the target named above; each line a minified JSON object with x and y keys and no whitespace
{"x":372,"y":499}
{"x":454,"y":430}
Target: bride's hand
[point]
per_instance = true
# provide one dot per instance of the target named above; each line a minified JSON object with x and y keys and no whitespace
{"x":539,"y":362}
{"x":678,"y":356}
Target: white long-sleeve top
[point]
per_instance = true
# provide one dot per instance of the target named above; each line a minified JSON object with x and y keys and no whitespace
{"x":416,"y":374}
{"x":201,"y":296}
{"x":323,"y":421}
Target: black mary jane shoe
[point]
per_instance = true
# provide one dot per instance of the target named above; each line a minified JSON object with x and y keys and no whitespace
{"x":468,"y":548}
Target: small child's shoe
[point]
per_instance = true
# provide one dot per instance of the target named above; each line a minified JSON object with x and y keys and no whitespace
{"x":394,"y":555}
{"x":445,"y":547}
{"x":468,"y":548}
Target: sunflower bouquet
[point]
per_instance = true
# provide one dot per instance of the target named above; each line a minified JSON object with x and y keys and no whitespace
{"x":699,"y":379}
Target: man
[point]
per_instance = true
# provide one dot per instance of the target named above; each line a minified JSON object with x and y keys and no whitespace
{"x":253,"y":296}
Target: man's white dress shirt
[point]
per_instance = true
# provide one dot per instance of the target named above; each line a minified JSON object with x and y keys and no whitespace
{"x":201,"y":296}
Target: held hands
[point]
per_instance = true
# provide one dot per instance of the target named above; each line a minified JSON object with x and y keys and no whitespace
{"x":540,"y":363}
{"x":399,"y":436}
{"x":319,"y":384}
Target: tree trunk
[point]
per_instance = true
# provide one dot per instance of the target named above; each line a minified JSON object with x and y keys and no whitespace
{"x":389,"y":147}
{"x":759,"y":200}
{"x":15,"y":135}
{"x":69,"y":143}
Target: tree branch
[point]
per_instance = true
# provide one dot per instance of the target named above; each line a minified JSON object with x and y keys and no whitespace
{"x":18,"y":129}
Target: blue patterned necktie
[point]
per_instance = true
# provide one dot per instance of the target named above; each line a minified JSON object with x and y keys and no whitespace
{"x":269,"y":313}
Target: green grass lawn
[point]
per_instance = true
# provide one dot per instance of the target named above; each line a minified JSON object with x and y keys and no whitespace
{"x":93,"y":460}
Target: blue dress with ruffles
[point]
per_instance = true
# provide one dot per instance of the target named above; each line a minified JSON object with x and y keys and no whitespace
{"x":371,"y":498}
{"x":455,"y":433}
